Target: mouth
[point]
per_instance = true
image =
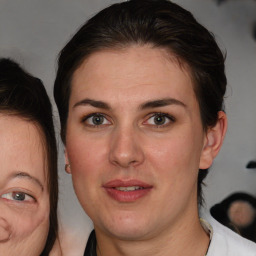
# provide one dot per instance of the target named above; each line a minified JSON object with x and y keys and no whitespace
{"x":127,"y":191}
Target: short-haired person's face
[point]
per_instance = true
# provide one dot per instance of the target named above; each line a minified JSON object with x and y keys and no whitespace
{"x":24,"y":197}
{"x":135,"y":142}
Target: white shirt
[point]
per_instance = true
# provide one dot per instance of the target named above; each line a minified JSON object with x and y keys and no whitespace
{"x":225,"y":242}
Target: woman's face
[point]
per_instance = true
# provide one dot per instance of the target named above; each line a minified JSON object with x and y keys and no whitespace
{"x":24,"y":197}
{"x":135,"y":142}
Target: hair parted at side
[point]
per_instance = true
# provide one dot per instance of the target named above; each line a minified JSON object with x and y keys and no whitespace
{"x":24,"y":96}
{"x":157,"y":23}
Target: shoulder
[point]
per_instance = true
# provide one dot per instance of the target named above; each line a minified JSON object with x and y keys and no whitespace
{"x":225,"y":242}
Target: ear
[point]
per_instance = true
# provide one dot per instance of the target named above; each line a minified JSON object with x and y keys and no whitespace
{"x":213,"y":141}
{"x":67,"y":164}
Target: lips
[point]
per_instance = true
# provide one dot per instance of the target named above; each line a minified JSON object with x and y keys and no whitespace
{"x":127,"y":191}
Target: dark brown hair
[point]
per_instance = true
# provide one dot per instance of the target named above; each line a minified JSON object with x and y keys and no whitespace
{"x":161,"y":24}
{"x":25,"y":96}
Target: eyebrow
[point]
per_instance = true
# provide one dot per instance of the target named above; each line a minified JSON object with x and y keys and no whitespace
{"x":25,"y":175}
{"x":161,"y":103}
{"x":149,"y":104}
{"x":94,"y":103}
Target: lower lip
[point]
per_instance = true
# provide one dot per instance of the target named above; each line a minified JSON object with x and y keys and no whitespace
{"x":127,"y":196}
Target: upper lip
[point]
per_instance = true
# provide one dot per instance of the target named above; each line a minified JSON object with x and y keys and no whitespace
{"x":126,"y":183}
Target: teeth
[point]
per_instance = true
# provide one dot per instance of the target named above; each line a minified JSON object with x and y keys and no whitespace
{"x":128,"y":188}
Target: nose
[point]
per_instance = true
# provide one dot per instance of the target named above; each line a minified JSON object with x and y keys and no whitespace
{"x":125,"y":148}
{"x":5,"y":231}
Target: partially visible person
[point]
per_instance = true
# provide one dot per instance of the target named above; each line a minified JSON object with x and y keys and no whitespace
{"x":237,"y":212}
{"x":28,"y":172}
{"x":140,"y":92}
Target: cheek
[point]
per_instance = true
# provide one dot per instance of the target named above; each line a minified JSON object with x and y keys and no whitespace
{"x":26,"y":220}
{"x":24,"y":224}
{"x":27,"y":223}
{"x":86,"y":156}
{"x":27,"y":233}
{"x":176,"y":163}
{"x":174,"y":151}
{"x":88,"y":160}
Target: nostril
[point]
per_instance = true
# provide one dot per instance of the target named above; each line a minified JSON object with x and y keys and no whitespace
{"x":5,"y":231}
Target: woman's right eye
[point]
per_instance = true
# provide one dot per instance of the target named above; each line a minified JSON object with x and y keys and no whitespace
{"x":96,"y":120}
{"x":18,"y":196}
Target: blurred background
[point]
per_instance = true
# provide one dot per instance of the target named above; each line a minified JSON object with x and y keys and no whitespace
{"x":33,"y":32}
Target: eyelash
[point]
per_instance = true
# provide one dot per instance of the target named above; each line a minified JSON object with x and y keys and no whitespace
{"x":10,"y":196}
{"x":161,"y":114}
{"x":100,"y":115}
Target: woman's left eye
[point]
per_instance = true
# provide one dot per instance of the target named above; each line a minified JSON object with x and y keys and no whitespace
{"x":18,"y":196}
{"x":160,"y":119}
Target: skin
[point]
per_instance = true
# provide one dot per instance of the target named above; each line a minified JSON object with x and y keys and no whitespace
{"x":130,"y":144}
{"x":24,"y":197}
{"x":241,"y":214}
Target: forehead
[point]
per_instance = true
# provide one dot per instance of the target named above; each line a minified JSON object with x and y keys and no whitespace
{"x":129,"y":71}
{"x":22,"y":147}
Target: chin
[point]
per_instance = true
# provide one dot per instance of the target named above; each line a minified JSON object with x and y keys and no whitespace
{"x":127,"y":228}
{"x":128,"y":234}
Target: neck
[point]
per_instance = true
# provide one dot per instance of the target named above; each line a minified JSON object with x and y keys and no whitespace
{"x":183,"y":238}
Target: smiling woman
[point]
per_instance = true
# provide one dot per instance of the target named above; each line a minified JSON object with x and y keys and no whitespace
{"x":28,"y":156}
